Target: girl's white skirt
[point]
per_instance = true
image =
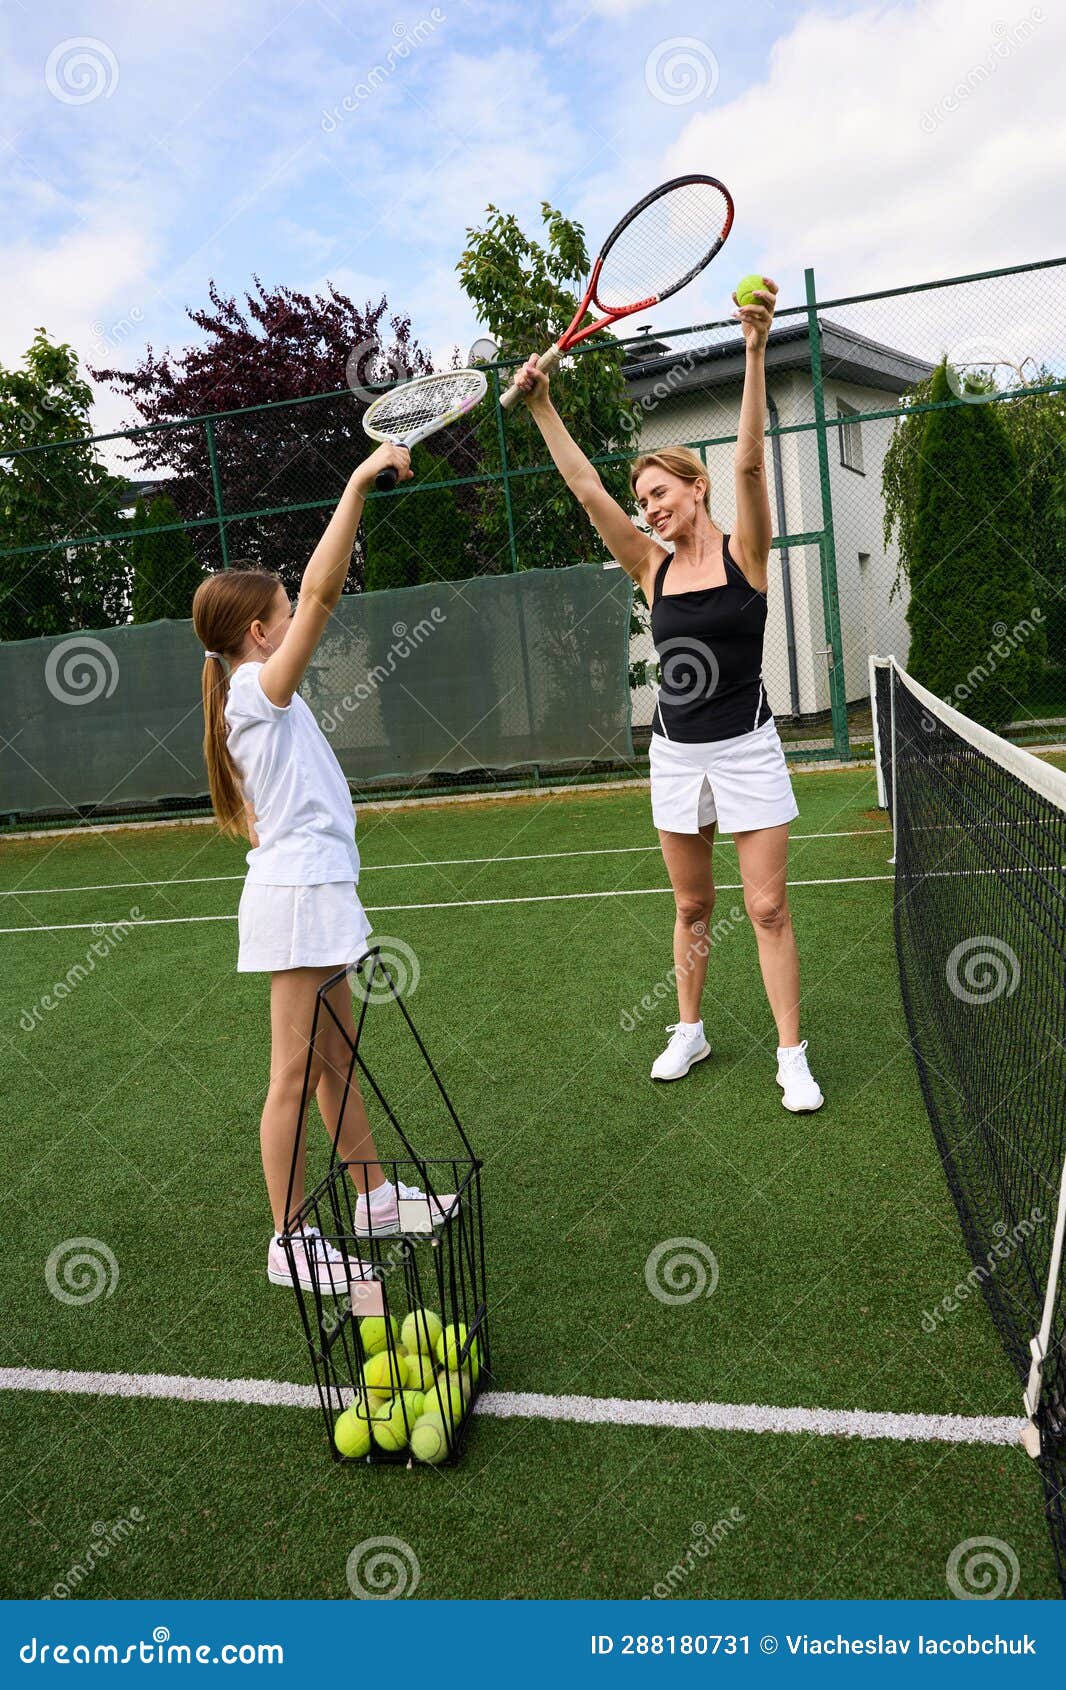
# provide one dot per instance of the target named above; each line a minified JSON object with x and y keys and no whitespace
{"x":740,"y":783}
{"x":300,"y":927}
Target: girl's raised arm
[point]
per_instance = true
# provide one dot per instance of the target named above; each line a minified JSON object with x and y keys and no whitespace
{"x":325,"y":575}
{"x":638,"y":554}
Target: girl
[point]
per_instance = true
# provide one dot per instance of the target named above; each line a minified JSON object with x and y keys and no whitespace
{"x":715,"y":754}
{"x":275,"y":780}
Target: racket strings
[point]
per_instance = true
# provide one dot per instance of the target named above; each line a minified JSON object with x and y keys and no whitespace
{"x":657,"y":251}
{"x":409,"y":408}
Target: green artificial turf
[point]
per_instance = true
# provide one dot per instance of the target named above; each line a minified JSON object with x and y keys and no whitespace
{"x":131,"y":1116}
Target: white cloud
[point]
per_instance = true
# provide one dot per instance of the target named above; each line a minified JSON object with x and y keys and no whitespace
{"x":897,"y":145}
{"x":846,"y":155}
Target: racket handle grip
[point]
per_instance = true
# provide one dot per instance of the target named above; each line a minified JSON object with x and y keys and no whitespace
{"x":386,"y":479}
{"x":546,"y":362}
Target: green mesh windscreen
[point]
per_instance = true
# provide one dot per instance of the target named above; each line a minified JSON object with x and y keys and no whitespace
{"x":490,"y":673}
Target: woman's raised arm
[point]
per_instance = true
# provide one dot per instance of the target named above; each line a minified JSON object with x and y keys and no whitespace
{"x":638,"y":554}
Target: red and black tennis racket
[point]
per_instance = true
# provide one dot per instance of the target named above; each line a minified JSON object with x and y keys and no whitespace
{"x":665,"y":240}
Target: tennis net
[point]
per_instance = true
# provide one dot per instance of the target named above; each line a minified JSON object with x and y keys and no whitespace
{"x":980,"y":924}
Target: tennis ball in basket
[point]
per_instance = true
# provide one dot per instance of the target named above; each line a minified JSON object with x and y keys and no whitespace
{"x":351,"y":1433}
{"x":451,"y":1342}
{"x":746,"y":289}
{"x":414,"y":1403}
{"x":383,"y":1376}
{"x":388,"y":1427}
{"x":373,"y":1334}
{"x":420,"y":1331}
{"x":429,"y":1440}
{"x":420,"y":1371}
{"x":455,"y":1392}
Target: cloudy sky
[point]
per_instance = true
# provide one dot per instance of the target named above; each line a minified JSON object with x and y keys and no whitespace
{"x":149,"y":147}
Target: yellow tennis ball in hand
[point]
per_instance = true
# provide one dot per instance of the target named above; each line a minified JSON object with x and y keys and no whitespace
{"x":747,"y":287}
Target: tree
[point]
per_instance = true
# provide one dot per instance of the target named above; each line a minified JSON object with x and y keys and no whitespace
{"x":166,"y":570}
{"x":416,"y":536}
{"x":1037,"y":428}
{"x":954,"y":490}
{"x":279,"y":345}
{"x":1036,"y":425}
{"x":524,"y":292}
{"x":55,"y":496}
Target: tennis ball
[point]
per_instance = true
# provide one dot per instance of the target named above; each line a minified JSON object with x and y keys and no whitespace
{"x":420,"y":1371}
{"x":455,"y":1393}
{"x":351,"y":1433}
{"x":387,"y":1425}
{"x":414,"y":1404}
{"x":746,"y":288}
{"x":383,"y":1376}
{"x":454,"y":1335}
{"x":420,"y":1331}
{"x":451,"y":1342}
{"x":429,"y":1440}
{"x":373,"y":1333}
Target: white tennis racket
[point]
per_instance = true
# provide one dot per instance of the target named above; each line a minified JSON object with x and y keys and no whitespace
{"x":660,"y":244}
{"x":405,"y":415}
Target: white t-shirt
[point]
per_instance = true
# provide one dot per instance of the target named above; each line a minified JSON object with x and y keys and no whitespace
{"x":303,"y":810}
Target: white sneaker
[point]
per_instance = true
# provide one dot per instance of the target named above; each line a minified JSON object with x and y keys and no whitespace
{"x":380,"y":1215}
{"x":317,"y":1263}
{"x":801,"y":1091}
{"x":685,"y":1048}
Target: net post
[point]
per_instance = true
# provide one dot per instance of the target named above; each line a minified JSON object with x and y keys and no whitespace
{"x":216,"y":487}
{"x":894,"y":806}
{"x":827,"y":544}
{"x":1038,"y":1345}
{"x":871,"y":664}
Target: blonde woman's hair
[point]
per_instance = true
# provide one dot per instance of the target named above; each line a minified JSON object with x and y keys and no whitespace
{"x":223,"y":609}
{"x":676,"y":460}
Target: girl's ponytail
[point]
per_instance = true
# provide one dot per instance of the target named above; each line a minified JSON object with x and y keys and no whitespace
{"x":227,"y":799}
{"x":223,"y":609}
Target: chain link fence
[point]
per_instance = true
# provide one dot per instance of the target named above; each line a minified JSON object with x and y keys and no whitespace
{"x":125,"y":524}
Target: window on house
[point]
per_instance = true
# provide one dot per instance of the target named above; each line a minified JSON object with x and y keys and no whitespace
{"x":850,"y":437}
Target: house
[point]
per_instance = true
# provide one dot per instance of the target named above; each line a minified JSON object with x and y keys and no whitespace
{"x":691,"y":396}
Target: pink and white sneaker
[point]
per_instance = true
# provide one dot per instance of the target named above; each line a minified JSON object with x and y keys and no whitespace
{"x":317,"y":1263}
{"x":400,"y":1208}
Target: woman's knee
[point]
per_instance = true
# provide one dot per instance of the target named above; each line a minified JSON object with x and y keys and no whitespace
{"x":767,"y":912}
{"x":694,"y":912}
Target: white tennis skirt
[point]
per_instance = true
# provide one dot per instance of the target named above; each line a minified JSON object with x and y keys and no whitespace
{"x":300,"y":927}
{"x":740,"y":783}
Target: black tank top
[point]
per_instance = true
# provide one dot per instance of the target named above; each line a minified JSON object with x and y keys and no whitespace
{"x":709,"y":642}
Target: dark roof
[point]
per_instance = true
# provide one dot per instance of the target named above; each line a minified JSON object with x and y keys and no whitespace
{"x":143,"y":490}
{"x":846,"y":356}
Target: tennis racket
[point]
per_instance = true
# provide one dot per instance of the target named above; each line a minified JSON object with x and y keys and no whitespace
{"x":666,"y":239}
{"x":405,"y":415}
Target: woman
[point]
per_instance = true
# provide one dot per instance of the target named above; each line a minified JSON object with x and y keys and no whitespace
{"x":715,"y":754}
{"x":275,"y":780}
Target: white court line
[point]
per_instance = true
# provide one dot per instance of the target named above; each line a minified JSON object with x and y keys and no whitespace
{"x":446,"y":904}
{"x":437,"y":862}
{"x":532,"y":1405}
